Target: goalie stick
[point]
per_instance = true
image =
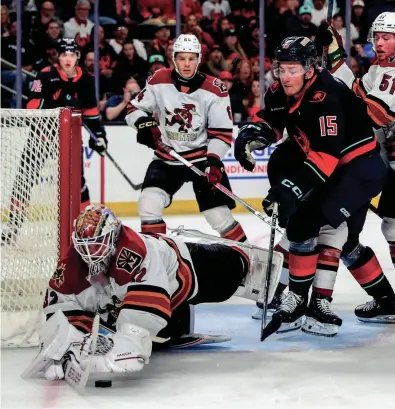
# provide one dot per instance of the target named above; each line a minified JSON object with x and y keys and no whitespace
{"x":220,"y":187}
{"x":329,"y":21}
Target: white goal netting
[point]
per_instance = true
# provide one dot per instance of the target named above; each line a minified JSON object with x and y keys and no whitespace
{"x":30,"y":173}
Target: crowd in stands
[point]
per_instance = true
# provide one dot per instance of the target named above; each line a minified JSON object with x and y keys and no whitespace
{"x":136,"y":39}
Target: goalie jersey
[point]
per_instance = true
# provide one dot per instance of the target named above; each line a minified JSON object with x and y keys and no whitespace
{"x":195,"y":117}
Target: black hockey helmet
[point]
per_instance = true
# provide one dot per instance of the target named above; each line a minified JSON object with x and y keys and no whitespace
{"x":67,"y":45}
{"x":298,"y":49}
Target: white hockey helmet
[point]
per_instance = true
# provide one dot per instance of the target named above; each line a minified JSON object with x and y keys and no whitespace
{"x":384,"y":23}
{"x":187,"y":43}
{"x":95,"y":237}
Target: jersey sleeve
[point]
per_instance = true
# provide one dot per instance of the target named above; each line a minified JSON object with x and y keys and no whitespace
{"x":343,"y":72}
{"x":90,"y":111}
{"x":62,"y":291}
{"x":142,"y":105}
{"x":219,"y":126}
{"x":39,"y":97}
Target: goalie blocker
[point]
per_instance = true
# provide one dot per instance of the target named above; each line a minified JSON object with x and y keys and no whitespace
{"x":143,"y":287}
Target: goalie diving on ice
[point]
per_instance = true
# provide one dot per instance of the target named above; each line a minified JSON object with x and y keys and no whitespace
{"x":143,"y":287}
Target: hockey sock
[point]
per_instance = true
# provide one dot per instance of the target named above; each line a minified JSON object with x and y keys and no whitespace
{"x":302,"y":268}
{"x":157,"y":226}
{"x":235,"y":233}
{"x":327,"y":266}
{"x":284,"y":277}
{"x":367,"y":271}
{"x":392,"y":251}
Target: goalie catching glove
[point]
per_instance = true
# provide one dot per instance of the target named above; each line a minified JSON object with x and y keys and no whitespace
{"x":252,"y":137}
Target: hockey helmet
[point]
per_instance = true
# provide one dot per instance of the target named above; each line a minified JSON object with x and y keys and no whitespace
{"x":95,"y":236}
{"x":187,"y":43}
{"x":295,"y":49}
{"x":67,"y":45}
{"x":384,"y":23}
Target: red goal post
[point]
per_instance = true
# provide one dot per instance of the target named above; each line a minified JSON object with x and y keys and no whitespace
{"x":40,"y":198}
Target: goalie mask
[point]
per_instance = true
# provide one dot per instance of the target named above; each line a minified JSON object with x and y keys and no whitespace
{"x":95,"y":236}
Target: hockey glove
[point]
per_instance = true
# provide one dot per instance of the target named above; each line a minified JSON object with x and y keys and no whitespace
{"x":287,"y":195}
{"x":252,"y":137}
{"x":99,"y":144}
{"x":214,"y":169}
{"x":327,"y":36}
{"x":148,"y":132}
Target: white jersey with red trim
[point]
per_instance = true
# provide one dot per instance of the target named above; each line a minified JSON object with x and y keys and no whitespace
{"x":194,"y":120}
{"x":149,"y":277}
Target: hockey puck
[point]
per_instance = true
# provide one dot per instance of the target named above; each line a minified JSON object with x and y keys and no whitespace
{"x":103,"y":384}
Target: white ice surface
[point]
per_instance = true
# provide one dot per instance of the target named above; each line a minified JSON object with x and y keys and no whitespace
{"x":355,"y":369}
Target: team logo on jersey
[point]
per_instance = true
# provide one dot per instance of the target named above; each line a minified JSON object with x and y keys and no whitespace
{"x":219,"y":84}
{"x":318,"y":96}
{"x":182,"y":117}
{"x":274,"y":86}
{"x":37,"y":86}
{"x":128,"y":260}
{"x":58,"y":275}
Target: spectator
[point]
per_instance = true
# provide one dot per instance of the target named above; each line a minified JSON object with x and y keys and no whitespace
{"x":169,"y":63}
{"x":219,"y":28}
{"x":215,"y":9}
{"x":49,"y":40}
{"x":216,"y":62}
{"x":161,"y":41}
{"x":40,"y":22}
{"x":5,"y":22}
{"x":162,"y":9}
{"x":49,"y":57}
{"x":253,"y":102}
{"x":288,"y":20}
{"x":231,"y":45}
{"x":121,"y":34}
{"x":89,"y":63}
{"x":116,"y":104}
{"x":359,"y":19}
{"x":320,"y":11}
{"x":355,"y":68}
{"x":156,"y":62}
{"x":115,"y":12}
{"x":189,"y":7}
{"x":242,"y":84}
{"x":238,"y":109}
{"x":305,"y":27}
{"x":80,"y":27}
{"x":129,"y":65}
{"x":255,"y":66}
{"x":192,"y":26}
{"x":253,"y":43}
{"x":338,"y":23}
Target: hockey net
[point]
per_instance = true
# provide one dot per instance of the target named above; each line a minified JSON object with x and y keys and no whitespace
{"x":40,"y":197}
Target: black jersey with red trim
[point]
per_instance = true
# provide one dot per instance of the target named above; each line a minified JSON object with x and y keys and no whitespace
{"x":53,"y":89}
{"x":329,"y":123}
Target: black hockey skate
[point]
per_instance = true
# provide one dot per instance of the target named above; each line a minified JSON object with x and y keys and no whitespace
{"x":272,"y":306}
{"x":288,"y":316}
{"x":379,"y":310}
{"x":319,"y":318}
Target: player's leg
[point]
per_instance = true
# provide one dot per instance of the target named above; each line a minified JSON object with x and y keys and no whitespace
{"x":161,"y":182}
{"x":386,"y":210}
{"x":216,"y":208}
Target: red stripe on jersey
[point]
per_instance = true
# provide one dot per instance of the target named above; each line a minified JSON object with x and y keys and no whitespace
{"x":34,"y":103}
{"x":153,"y":228}
{"x":325,"y":163}
{"x":90,"y":111}
{"x":190,"y":156}
{"x":223,"y":135}
{"x":149,"y":299}
{"x":302,"y":265}
{"x":236,"y":233}
{"x":378,"y":113}
{"x":358,"y":90}
{"x":82,"y":321}
{"x":337,"y":66}
{"x":358,"y":152}
{"x":390,"y":148}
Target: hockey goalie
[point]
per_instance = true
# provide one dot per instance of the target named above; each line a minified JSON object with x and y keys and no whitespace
{"x":143,"y":287}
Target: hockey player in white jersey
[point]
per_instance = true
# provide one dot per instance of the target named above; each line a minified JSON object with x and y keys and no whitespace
{"x":141,"y":286}
{"x":195,"y":120}
{"x":377,"y":89}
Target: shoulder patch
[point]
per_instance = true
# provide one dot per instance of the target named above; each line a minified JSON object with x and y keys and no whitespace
{"x":37,"y":86}
{"x":318,"y":96}
{"x":275,"y":86}
{"x":215,"y":85}
{"x":129,"y":260}
{"x":218,"y":83}
{"x":58,"y":276}
{"x":46,"y":69}
{"x":162,"y":76}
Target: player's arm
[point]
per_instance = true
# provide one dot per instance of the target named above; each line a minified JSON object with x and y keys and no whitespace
{"x":139,"y":115}
{"x":259,"y":135}
{"x":91,"y":117}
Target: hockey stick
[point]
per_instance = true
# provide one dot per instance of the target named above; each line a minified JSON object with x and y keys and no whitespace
{"x":329,"y":21}
{"x":114,"y":162}
{"x":269,"y":267}
{"x":220,"y":187}
{"x":73,"y":374}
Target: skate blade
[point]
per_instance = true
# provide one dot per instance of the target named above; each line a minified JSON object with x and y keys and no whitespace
{"x":380,"y":319}
{"x":314,"y":327}
{"x":258,"y":314}
{"x":290,"y":326}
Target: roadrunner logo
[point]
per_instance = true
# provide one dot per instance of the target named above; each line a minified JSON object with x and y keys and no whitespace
{"x":318,"y":96}
{"x":128,"y":260}
{"x":182,"y":117}
{"x":58,"y":275}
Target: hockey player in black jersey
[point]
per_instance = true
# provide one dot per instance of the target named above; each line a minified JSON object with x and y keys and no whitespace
{"x":330,"y":168}
{"x":61,"y":85}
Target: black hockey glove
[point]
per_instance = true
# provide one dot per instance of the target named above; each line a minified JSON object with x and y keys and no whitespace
{"x":148,"y":132}
{"x":287,"y":195}
{"x":99,"y":144}
{"x":252,"y":137}
{"x":214,"y":169}
{"x":327,"y":36}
